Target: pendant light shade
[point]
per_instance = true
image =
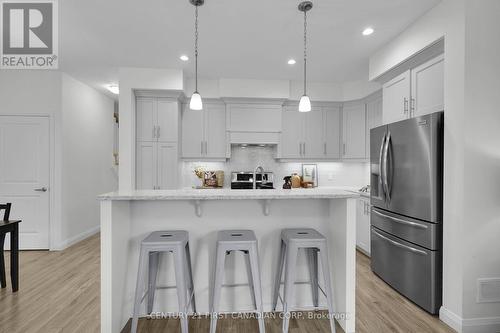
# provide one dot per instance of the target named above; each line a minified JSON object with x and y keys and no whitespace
{"x":196,"y":103}
{"x":305,"y":104}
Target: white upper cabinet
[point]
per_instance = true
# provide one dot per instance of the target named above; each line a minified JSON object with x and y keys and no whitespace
{"x":373,"y":119}
{"x":204,"y":132}
{"x":193,"y":128}
{"x":157,"y":119}
{"x":332,"y":132}
{"x":167,"y":112}
{"x":397,"y":98}
{"x":354,"y":131}
{"x":146,"y":119}
{"x":427,"y":87}
{"x":292,"y":133}
{"x":314,"y":142}
{"x":416,"y":92}
{"x":215,"y":131}
{"x":310,"y":135}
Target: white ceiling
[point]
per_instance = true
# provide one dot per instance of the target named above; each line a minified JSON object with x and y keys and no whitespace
{"x":238,"y":39}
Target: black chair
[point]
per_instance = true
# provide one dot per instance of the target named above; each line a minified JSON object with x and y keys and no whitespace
{"x":13,"y":227}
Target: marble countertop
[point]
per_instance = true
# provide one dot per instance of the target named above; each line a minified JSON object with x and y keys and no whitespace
{"x":228,"y":194}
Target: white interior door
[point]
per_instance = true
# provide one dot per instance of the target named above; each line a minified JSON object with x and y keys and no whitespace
{"x":24,"y":176}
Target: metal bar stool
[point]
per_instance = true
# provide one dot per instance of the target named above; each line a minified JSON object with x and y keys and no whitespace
{"x":176,"y":242}
{"x":292,"y":240}
{"x":237,"y":240}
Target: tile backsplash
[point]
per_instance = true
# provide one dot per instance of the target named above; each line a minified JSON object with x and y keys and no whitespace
{"x":246,"y":159}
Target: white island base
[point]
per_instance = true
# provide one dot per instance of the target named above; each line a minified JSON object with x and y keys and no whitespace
{"x":128,"y":217}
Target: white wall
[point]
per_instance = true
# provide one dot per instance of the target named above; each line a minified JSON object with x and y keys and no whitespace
{"x":138,"y":79}
{"x":482,"y":154}
{"x":246,"y":159}
{"x":86,"y":165}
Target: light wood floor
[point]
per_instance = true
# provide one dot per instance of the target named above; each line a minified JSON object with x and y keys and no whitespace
{"x":59,"y":292}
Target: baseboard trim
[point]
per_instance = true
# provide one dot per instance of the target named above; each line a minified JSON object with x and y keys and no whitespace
{"x":450,"y":319}
{"x":75,"y":239}
{"x":470,"y":325}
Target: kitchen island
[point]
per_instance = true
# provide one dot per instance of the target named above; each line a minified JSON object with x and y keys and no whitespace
{"x":128,"y":216}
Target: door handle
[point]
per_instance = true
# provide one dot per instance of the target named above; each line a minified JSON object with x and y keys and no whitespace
{"x":395,"y":219}
{"x":41,"y":189}
{"x":158,"y":132}
{"x":409,"y":248}
{"x":405,"y":105}
{"x":201,"y":147}
{"x":324,"y":148}
{"x":304,"y":148}
{"x":381,"y":176}
{"x":412,"y":107}
{"x":385,"y":179}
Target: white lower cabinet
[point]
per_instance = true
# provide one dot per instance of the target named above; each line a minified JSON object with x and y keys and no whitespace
{"x":363,"y":224}
{"x":157,"y":166}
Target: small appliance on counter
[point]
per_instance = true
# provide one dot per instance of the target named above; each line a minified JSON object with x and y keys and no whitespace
{"x":243,"y":180}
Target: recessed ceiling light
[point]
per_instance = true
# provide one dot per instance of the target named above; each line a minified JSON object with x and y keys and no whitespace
{"x":292,"y":62}
{"x":184,"y":57}
{"x":368,"y":31}
{"x":113,"y":88}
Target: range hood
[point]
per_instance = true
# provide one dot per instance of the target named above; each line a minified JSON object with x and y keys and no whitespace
{"x":254,"y":122}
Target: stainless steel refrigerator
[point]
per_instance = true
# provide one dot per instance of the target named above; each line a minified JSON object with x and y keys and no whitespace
{"x":407,"y":207}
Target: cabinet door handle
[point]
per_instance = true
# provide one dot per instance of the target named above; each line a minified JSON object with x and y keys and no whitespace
{"x":300,"y":148}
{"x":405,"y":104}
{"x":343,"y":149}
{"x":324,"y":148}
{"x":158,"y":132}
{"x":201,"y":147}
{"x":304,"y":148}
{"x":412,"y":107}
{"x":206,"y":148}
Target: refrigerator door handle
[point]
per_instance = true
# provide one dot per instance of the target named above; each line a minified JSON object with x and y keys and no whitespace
{"x":385,"y":179}
{"x":381,"y":175}
{"x":395,"y":219}
{"x":406,"y":247}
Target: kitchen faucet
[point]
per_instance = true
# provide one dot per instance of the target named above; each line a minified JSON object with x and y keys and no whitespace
{"x":255,"y":176}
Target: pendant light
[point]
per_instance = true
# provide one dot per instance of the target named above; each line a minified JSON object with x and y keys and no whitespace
{"x":196,"y":103}
{"x":305,"y":102}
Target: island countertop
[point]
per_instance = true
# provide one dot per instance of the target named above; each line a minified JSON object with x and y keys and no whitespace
{"x":229,"y":194}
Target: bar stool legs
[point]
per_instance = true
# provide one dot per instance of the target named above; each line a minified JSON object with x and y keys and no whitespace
{"x":152,"y":246}
{"x":245,"y":241}
{"x":315,"y":246}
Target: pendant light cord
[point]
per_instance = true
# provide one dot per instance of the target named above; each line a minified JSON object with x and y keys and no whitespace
{"x":196,"y":47}
{"x":305,"y":50}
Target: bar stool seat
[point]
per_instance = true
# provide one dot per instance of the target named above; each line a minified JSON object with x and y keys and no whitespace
{"x":313,"y":242}
{"x":176,"y":242}
{"x":227,"y":242}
